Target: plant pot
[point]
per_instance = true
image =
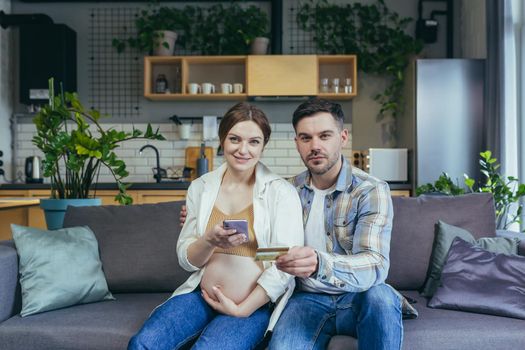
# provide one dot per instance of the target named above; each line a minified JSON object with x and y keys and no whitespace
{"x":259,"y":46}
{"x":166,"y":36}
{"x":55,"y":209}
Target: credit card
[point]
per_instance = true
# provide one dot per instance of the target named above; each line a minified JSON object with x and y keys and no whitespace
{"x":270,"y":254}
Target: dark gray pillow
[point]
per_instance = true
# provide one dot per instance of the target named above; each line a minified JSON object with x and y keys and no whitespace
{"x":413,"y":231}
{"x":476,"y":280}
{"x":137,"y":244}
{"x":445,"y":235}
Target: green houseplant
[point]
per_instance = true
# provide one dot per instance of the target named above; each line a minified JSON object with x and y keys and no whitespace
{"x":374,"y":33}
{"x":74,"y":154}
{"x":154,"y":27}
{"x":224,"y":30}
{"x":507,"y":191}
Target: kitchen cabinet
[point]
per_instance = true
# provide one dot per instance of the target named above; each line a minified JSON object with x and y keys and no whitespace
{"x":34,"y":216}
{"x":260,"y":75}
{"x":182,"y":70}
{"x":286,"y":75}
{"x":17,"y":216}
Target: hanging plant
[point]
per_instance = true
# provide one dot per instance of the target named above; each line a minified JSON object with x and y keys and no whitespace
{"x":374,"y":33}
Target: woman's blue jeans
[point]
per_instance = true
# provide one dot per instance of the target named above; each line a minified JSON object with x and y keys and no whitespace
{"x":309,"y":320}
{"x":187,"y":318}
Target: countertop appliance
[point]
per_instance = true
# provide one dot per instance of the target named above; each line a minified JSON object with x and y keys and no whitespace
{"x":388,"y":164}
{"x":33,"y":170}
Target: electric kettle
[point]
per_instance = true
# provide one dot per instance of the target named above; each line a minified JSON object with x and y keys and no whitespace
{"x":33,"y":170}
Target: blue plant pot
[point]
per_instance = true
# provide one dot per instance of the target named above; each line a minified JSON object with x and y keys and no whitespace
{"x":55,"y":209}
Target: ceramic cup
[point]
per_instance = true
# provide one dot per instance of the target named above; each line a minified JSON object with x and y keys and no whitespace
{"x":226,"y":88}
{"x":237,"y":88}
{"x":208,"y":88}
{"x":184,"y":131}
{"x":193,"y":88}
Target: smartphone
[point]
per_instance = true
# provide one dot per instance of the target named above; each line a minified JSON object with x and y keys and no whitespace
{"x":240,"y":225}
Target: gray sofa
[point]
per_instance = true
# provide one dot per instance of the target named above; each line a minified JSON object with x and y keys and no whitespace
{"x":138,"y":259}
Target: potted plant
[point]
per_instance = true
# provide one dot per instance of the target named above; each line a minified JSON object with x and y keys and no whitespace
{"x":254,"y":29}
{"x":155,"y":31}
{"x":73,"y":153}
{"x":224,"y":30}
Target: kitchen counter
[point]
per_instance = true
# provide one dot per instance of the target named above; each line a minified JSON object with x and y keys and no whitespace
{"x":165,"y":185}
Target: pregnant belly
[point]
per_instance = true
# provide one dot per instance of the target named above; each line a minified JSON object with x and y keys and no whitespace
{"x":236,"y":275}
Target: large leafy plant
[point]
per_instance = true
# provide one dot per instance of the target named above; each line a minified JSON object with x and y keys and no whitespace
{"x":374,"y":33}
{"x":148,"y":26}
{"x":224,"y":30}
{"x":507,"y":191}
{"x":73,"y":153}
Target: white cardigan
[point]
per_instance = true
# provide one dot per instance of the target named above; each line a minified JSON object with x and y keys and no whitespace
{"x":278,"y":220}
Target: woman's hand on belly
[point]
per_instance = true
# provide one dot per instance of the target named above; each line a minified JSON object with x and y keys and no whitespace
{"x":224,"y":305}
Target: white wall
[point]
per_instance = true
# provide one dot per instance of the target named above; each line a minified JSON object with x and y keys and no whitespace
{"x":280,"y":154}
{"x":6,"y":89}
{"x":473,"y":29}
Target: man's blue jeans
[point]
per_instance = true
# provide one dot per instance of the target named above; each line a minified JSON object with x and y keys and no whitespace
{"x":310,"y":319}
{"x":184,"y":318}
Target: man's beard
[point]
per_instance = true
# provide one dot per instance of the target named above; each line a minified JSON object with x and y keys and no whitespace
{"x":321,"y":171}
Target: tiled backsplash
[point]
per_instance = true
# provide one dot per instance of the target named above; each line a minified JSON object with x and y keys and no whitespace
{"x":280,"y":154}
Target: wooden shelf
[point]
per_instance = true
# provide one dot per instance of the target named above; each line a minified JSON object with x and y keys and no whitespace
{"x":261,"y":75}
{"x":195,"y":97}
{"x":342,"y":67}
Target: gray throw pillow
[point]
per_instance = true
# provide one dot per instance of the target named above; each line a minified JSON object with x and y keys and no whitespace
{"x":476,"y":280}
{"x":444,"y":236}
{"x":138,"y":244}
{"x":58,"y":268}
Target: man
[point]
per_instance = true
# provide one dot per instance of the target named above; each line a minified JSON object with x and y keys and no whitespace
{"x":342,"y":268}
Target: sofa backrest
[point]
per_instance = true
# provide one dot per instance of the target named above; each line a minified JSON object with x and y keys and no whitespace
{"x":137,"y":244}
{"x":413,"y":231}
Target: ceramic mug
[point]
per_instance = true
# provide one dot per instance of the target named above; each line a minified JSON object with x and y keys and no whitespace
{"x":194,"y":88}
{"x":237,"y":88}
{"x":226,"y":88}
{"x":184,"y":131}
{"x":208,"y":88}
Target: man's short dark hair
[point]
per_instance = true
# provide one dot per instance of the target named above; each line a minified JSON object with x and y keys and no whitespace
{"x":316,"y":105}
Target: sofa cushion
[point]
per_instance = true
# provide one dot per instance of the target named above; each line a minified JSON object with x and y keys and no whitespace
{"x":413,"y":230}
{"x":451,"y":330}
{"x":102,"y":325}
{"x":445,"y":235}
{"x":58,"y":268}
{"x":137,"y":244}
{"x":477,"y":280}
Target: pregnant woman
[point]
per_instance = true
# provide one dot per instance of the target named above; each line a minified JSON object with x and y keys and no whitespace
{"x":228,"y":301}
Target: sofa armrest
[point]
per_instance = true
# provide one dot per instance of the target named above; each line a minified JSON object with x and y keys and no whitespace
{"x":513,"y":234}
{"x":10,"y":299}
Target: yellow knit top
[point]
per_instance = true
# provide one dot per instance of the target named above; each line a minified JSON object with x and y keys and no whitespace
{"x":245,"y":249}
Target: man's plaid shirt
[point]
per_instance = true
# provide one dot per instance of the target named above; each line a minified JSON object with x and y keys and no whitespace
{"x":358,"y":223}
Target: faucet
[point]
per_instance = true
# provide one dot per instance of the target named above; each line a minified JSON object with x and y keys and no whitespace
{"x":160,"y":171}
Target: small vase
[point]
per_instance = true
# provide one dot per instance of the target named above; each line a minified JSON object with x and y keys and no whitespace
{"x":55,"y":209}
{"x":166,"y":36}
{"x":260,"y":46}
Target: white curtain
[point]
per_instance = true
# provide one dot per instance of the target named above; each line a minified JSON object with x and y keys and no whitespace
{"x":512,"y":141}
